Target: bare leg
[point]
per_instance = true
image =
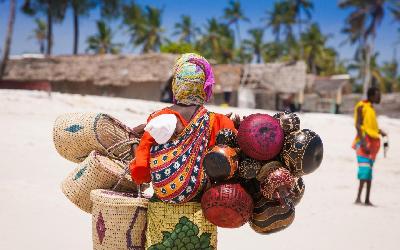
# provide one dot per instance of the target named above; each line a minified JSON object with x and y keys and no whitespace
{"x":367,"y":201}
{"x":360,"y":187}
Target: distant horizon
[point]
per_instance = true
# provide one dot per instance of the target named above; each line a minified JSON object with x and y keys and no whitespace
{"x":326,"y":13}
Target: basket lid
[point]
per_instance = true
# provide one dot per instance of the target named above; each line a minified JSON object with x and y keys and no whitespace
{"x":113,"y":198}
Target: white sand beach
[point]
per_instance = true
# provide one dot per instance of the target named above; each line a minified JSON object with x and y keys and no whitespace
{"x":34,"y":214}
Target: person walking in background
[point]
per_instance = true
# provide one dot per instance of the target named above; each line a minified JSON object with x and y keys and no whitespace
{"x":367,"y":141}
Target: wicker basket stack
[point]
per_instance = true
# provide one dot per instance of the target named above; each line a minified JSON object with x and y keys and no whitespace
{"x":101,"y":184}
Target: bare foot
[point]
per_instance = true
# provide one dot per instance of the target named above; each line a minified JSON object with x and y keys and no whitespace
{"x":358,"y":201}
{"x":368,"y":203}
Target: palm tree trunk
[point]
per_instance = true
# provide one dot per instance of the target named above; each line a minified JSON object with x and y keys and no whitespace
{"x":301,"y":44}
{"x":41,"y":47}
{"x":76,"y":31}
{"x":7,"y":43}
{"x":49,"y":28}
{"x":367,"y":65}
{"x":238,"y":34}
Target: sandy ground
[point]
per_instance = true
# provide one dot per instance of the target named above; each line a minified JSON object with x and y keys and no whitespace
{"x":34,"y":214}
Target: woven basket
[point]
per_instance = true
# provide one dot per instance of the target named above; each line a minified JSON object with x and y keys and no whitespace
{"x":119,"y":220}
{"x":75,"y":135}
{"x":96,"y":172}
{"x":179,"y":225}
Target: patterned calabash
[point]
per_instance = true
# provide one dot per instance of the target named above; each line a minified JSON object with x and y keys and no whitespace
{"x":260,"y":136}
{"x":277,"y":183}
{"x":290,"y":122}
{"x":302,"y":152}
{"x":297,"y":191}
{"x":227,"y":205}
{"x":220,"y":162}
{"x":248,"y":167}
{"x":270,"y":217}
{"x":226,"y":137}
{"x":266,"y":168}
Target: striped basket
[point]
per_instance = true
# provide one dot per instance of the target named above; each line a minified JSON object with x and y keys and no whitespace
{"x":119,"y":220}
{"x":75,"y":135}
{"x":179,"y":226}
{"x":96,"y":172}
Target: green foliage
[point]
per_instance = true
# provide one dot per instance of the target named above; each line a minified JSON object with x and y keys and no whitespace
{"x":144,"y":26}
{"x":186,"y":30}
{"x":101,"y":43}
{"x":281,"y":19}
{"x":217,"y":42}
{"x":184,"y":236}
{"x":255,"y":45}
{"x":177,"y":48}
{"x":39,"y":33}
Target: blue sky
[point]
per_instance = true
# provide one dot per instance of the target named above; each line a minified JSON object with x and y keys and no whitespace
{"x":326,"y":13}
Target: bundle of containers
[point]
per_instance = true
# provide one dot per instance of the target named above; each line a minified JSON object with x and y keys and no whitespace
{"x":256,"y":175}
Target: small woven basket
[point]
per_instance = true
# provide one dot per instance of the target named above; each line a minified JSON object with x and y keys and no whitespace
{"x":119,"y":220}
{"x":95,"y":172}
{"x":179,"y":225}
{"x":75,"y":135}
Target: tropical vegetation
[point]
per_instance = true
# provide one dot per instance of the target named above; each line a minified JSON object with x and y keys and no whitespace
{"x":296,"y":36}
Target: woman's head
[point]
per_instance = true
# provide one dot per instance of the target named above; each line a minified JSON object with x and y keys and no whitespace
{"x":192,"y":80}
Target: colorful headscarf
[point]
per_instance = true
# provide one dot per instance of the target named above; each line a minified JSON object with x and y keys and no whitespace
{"x":193,"y":80}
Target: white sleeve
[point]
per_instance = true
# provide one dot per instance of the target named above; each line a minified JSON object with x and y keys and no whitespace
{"x":162,"y":127}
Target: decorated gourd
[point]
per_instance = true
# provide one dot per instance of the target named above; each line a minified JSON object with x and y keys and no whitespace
{"x":270,"y":217}
{"x":220,"y":162}
{"x":302,"y":152}
{"x":227,"y":205}
{"x":277,"y":184}
{"x":226,"y":137}
{"x":248,"y":167}
{"x":266,"y":168}
{"x":290,"y":122}
{"x":297,"y":191}
{"x":260,"y":136}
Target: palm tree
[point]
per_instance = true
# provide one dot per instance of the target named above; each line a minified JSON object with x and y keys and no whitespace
{"x":274,"y":51}
{"x":7,"y":42}
{"x":80,"y":8}
{"x":217,"y":42}
{"x":390,"y":75}
{"x":281,"y":18}
{"x":145,"y":27}
{"x":186,"y":29}
{"x":299,"y":6}
{"x":39,"y":33}
{"x":110,"y":9}
{"x":54,"y":11}
{"x":255,"y":43}
{"x":133,"y":19}
{"x":395,"y":9}
{"x":101,"y":43}
{"x":315,"y":47}
{"x":361,"y":25}
{"x":233,"y":14}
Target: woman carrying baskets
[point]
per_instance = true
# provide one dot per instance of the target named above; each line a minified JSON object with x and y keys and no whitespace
{"x":172,"y":149}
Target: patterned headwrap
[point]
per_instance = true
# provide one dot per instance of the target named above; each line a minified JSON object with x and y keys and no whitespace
{"x":193,"y":80}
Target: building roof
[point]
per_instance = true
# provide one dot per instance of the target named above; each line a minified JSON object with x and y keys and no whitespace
{"x":227,"y":77}
{"x":276,"y":77}
{"x":123,"y":70}
{"x":328,"y":85}
{"x":117,"y":70}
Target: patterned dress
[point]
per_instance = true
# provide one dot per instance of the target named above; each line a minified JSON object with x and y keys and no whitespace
{"x":176,"y":167}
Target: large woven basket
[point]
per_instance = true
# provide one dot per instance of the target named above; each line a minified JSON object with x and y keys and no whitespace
{"x":75,"y":135}
{"x":95,"y":172}
{"x":119,"y":220}
{"x":179,"y":225}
